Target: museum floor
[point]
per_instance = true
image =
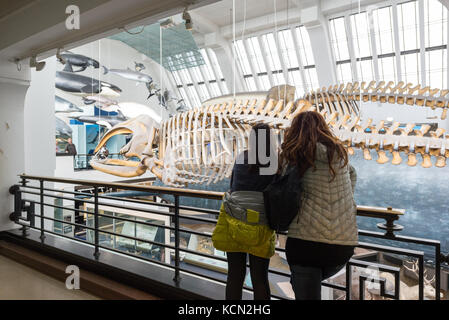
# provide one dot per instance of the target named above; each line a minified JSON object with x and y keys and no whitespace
{"x":21,"y":282}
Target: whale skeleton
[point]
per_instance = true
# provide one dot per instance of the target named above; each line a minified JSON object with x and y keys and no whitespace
{"x":201,"y":145}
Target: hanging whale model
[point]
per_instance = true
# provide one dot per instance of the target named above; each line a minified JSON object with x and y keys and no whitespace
{"x":105,"y":121}
{"x":62,"y":128}
{"x":78,"y":60}
{"x":82,"y":85}
{"x":132,"y":75}
{"x":65,"y":106}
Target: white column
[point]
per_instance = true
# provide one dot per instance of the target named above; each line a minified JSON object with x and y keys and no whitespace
{"x":39,"y":120}
{"x":422,"y":50}
{"x":322,"y":54}
{"x":397,"y":48}
{"x":13,"y":87}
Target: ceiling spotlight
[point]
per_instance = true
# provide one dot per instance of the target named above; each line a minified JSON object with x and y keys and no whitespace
{"x":59,"y":57}
{"x":188,"y":19}
{"x":168,"y":23}
{"x":38,"y":65}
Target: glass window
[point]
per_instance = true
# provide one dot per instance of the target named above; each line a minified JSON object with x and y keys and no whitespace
{"x":287,"y":48}
{"x":305,"y":47}
{"x":250,"y":83}
{"x":242,"y":58}
{"x":265,"y":82}
{"x":225,"y":87}
{"x":196,"y":74}
{"x":360,"y":35}
{"x":184,"y":96}
{"x":436,"y":71}
{"x":311,"y":78}
{"x":365,"y":70}
{"x":202,"y":92}
{"x":207,"y":69}
{"x":255,"y":54}
{"x":271,"y":52}
{"x":214,"y":61}
{"x":408,"y":23}
{"x":185,"y":76}
{"x":411,"y":66}
{"x":344,"y":72}
{"x":383,"y":30}
{"x":177,"y":78}
{"x":215,"y":89}
{"x":196,"y":102}
{"x":278,"y":78}
{"x":387,"y":69}
{"x":435,"y":23}
{"x":339,"y":39}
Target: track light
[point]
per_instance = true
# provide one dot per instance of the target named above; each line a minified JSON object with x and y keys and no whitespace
{"x":188,"y":19}
{"x":38,"y":65}
{"x":168,"y":23}
{"x":59,"y":57}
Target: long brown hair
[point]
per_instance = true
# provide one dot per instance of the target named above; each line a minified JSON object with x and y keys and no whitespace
{"x":299,"y":146}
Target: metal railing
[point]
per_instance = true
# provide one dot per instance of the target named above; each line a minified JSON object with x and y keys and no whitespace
{"x":29,"y":196}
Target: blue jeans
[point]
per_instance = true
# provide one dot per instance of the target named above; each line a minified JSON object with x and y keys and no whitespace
{"x":306,"y":281}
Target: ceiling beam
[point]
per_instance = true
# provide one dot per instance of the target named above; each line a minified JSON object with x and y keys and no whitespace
{"x":105,"y":19}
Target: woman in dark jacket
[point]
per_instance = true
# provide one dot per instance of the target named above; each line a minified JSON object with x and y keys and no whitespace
{"x":237,"y":232}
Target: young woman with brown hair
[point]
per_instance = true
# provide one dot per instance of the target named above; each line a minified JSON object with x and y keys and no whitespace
{"x":322,"y":237}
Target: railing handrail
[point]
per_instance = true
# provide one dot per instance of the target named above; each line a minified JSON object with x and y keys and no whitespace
{"x":166,"y":190}
{"x":20,"y":206}
{"x":376,"y":212}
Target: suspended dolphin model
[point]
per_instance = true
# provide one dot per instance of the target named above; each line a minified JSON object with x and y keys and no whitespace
{"x":62,"y":128}
{"x":82,"y":85}
{"x":78,"y":60}
{"x":105,"y":121}
{"x":65,"y":106}
{"x":132,"y":75}
{"x":100,"y":100}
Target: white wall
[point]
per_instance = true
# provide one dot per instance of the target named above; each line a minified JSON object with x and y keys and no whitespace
{"x":13,"y":87}
{"x":39,"y":120}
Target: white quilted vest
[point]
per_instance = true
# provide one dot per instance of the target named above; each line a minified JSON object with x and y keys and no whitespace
{"x":328,"y":209}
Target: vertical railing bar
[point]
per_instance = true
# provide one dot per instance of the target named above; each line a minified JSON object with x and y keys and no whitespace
{"x":96,"y":240}
{"x":19,"y":203}
{"x":348,"y":281}
{"x":421,"y":278}
{"x":41,"y":182}
{"x":177,"y":258}
{"x":397,"y":285}
{"x":437,"y":271}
